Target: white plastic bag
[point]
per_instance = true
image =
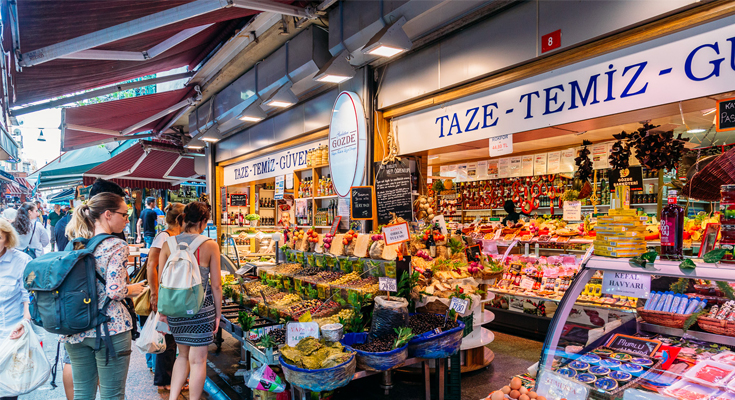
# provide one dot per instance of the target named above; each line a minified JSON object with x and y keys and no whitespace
{"x":23,"y":364}
{"x":150,"y":340}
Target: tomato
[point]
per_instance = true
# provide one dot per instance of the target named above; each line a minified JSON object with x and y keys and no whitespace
{"x":345,"y":242}
{"x":653,"y":236}
{"x":426,"y":238}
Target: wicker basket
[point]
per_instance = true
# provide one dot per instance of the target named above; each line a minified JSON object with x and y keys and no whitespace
{"x":717,"y":326}
{"x":668,"y":319}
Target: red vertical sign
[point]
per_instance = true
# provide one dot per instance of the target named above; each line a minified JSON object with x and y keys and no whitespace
{"x":551,"y":41}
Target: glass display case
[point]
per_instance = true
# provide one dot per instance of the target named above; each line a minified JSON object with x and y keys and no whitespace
{"x":679,"y":345}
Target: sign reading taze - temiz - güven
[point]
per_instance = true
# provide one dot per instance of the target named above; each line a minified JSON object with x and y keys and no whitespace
{"x":692,"y":63}
{"x":347,"y":143}
{"x":278,"y":163}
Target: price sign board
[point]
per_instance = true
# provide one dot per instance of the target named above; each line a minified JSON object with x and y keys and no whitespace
{"x":572,"y":211}
{"x":459,"y":305}
{"x":501,"y":145}
{"x":726,"y":115}
{"x":295,"y":331}
{"x":625,"y":284}
{"x":555,"y":386}
{"x":362,"y":202}
{"x":387,"y":284}
{"x":527,"y":283}
{"x":238,"y":199}
{"x":393,"y":191}
{"x":280,"y":187}
{"x":634,"y":345}
{"x":396,"y":233}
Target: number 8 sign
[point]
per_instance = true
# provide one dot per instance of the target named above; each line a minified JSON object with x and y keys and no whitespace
{"x":551,"y":41}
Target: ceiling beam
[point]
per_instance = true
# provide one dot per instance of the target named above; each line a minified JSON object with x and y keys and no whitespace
{"x":158,"y":115}
{"x":271,"y":6}
{"x":91,"y":129}
{"x":175,"y":40}
{"x":99,"y":92}
{"x":121,"y":31}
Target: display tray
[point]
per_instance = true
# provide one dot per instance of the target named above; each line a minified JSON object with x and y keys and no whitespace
{"x":556,"y":300}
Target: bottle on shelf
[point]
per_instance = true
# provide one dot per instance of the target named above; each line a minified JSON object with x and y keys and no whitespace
{"x":240,"y":218}
{"x":672,"y":229}
{"x":431,"y":245}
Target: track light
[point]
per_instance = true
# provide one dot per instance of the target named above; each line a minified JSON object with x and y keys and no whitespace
{"x":336,"y":70}
{"x":212,"y":134}
{"x":283,"y":97}
{"x":389,"y":41}
{"x":253,"y":113}
{"x":195,"y":144}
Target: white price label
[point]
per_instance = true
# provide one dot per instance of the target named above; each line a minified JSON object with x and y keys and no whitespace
{"x":572,"y":211}
{"x":527,"y":283}
{"x":397,"y":233}
{"x":458,"y":305}
{"x":295,"y":331}
{"x":387,"y":284}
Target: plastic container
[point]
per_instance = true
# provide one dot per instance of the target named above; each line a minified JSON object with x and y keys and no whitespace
{"x":442,"y":345}
{"x":699,"y":371}
{"x":332,"y":332}
{"x":382,"y":361}
{"x":685,"y":389}
{"x":320,"y":380}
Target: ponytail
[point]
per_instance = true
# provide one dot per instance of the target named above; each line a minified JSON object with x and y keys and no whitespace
{"x":81,"y":224}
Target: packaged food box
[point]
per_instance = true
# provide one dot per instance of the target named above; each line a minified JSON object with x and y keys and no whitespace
{"x":619,"y":242}
{"x":620,"y":211}
{"x":605,"y":229}
{"x":622,"y":218}
{"x":618,"y":254}
{"x":711,"y":373}
{"x":725,"y":357}
{"x":619,"y":249}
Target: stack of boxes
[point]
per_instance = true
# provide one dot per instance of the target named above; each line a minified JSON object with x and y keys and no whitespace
{"x":622,"y":232}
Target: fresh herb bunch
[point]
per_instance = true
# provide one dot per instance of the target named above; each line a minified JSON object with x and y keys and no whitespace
{"x":405,"y":287}
{"x":584,"y":164}
{"x":404,"y":335}
{"x":359,"y":321}
{"x":266,"y":341}
{"x":245,"y":320}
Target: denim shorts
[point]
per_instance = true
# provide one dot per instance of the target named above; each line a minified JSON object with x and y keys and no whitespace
{"x":66,"y":359}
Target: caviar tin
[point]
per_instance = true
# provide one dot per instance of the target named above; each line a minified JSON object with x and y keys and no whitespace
{"x":621,"y":356}
{"x":606,"y":384}
{"x":586,"y":378}
{"x":610,"y":363}
{"x":579,"y":365}
{"x":645,"y":362}
{"x":620,"y":376}
{"x":602,"y":352}
{"x":632,"y":369}
{"x":590,"y":358}
{"x":599,"y":370}
{"x":568,"y":372}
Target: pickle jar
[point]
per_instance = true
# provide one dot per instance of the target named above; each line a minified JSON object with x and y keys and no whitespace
{"x":309,"y":155}
{"x":727,"y":204}
{"x":325,"y":155}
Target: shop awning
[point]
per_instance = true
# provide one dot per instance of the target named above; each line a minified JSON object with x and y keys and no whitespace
{"x":14,"y":189}
{"x":148,"y":165}
{"x":8,"y":147}
{"x":118,"y":120}
{"x":62,"y":197}
{"x":24,"y":183}
{"x":68,"y":46}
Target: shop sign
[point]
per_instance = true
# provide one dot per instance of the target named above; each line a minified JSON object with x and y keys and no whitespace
{"x":693,"y":63}
{"x":280,"y":163}
{"x":347,"y":143}
{"x":625,"y":284}
{"x":631,"y":177}
{"x":555,"y":386}
{"x":726,"y":115}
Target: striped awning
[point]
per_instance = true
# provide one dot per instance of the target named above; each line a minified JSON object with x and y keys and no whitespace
{"x":13,"y":189}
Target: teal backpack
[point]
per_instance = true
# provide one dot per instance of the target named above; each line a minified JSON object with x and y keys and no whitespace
{"x":63,"y":292}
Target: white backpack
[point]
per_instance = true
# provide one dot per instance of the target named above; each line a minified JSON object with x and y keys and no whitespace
{"x":181,"y":290}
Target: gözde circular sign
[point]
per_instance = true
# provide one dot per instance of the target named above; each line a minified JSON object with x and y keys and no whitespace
{"x":347,"y":143}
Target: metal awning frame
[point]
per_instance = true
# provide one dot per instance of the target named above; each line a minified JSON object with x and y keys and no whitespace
{"x":181,"y":179}
{"x":137,"y":26}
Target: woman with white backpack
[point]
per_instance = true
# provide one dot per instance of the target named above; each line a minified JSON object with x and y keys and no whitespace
{"x":195,"y":333}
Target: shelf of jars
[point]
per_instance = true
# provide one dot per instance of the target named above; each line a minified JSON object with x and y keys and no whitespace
{"x":314,"y":183}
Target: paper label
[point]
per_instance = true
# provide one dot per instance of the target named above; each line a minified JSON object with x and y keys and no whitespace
{"x":625,"y":284}
{"x":387,"y":284}
{"x":527,"y":283}
{"x":572,"y":211}
{"x":500,"y":145}
{"x":295,"y":331}
{"x":554,"y":386}
{"x":397,"y":233}
{"x":458,"y":305}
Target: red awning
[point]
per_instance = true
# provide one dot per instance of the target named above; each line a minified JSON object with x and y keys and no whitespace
{"x":13,"y":189}
{"x":147,"y":165}
{"x":24,"y":183}
{"x":42,"y":23}
{"x":116,"y":116}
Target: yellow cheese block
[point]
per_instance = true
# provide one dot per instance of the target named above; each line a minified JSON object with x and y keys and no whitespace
{"x":619,"y":211}
{"x":618,"y":254}
{"x":605,"y":229}
{"x":337,"y":247}
{"x":361,"y":247}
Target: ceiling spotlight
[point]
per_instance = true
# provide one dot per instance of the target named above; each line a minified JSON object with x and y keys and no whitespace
{"x":389,"y":41}
{"x":212,"y":134}
{"x":283,"y":97}
{"x":336,"y":70}
{"x":195,"y":144}
{"x":253,"y":113}
{"x":696,"y":130}
{"x":40,"y":137}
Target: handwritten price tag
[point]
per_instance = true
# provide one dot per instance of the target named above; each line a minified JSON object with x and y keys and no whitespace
{"x":458,"y":305}
{"x":387,"y":284}
{"x":295,"y":331}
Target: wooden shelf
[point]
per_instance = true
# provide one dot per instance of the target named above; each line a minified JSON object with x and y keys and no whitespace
{"x":333,"y":196}
{"x":266,"y":208}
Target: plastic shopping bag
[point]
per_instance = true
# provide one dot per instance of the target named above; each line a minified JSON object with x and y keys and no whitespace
{"x":265,"y":379}
{"x":23,"y":364}
{"x":150,"y":340}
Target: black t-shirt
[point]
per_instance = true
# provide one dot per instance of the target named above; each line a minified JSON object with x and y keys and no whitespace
{"x":149,"y":222}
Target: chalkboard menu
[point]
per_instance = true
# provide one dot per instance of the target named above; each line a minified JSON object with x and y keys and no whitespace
{"x":726,"y":115}
{"x":361,"y":202}
{"x":393,"y":191}
{"x":631,"y":176}
{"x":634,"y":345}
{"x":238,"y":200}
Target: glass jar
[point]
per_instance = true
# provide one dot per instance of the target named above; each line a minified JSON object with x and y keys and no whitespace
{"x":325,"y":155}
{"x":309,"y":155}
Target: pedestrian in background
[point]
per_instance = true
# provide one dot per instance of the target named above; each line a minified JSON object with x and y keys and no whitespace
{"x":54,"y":217}
{"x":43,"y":213}
{"x":14,"y":299}
{"x":31,"y":233}
{"x":193,"y":335}
{"x":104,"y":213}
{"x":147,"y":222}
{"x":164,"y":362}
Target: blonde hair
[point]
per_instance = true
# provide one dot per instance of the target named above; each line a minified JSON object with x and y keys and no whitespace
{"x":84,"y":217}
{"x":11,"y":236}
{"x":174,"y":214}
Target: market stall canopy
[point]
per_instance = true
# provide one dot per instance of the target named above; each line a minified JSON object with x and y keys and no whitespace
{"x":705,"y":184}
{"x":67,"y":169}
{"x":15,"y":189}
{"x":8,"y":147}
{"x":24,"y":183}
{"x":62,"y":197}
{"x":148,"y":165}
{"x":120,"y":119}
{"x":70,"y":46}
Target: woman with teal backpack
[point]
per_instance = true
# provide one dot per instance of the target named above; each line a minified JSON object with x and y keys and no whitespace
{"x":195,"y":333}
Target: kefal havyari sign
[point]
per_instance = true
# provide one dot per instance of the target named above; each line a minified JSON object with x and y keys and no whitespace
{"x":693,"y":63}
{"x":280,"y":163}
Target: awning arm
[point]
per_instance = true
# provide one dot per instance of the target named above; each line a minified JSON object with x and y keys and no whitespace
{"x":91,"y":129}
{"x":171,"y":168}
{"x":108,"y":140}
{"x":158,"y":115}
{"x":137,"y":55}
{"x":121,"y":31}
{"x":131,"y":169}
{"x":148,"y":23}
{"x":192,"y":179}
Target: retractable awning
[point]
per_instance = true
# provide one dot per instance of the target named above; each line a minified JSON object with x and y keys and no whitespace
{"x":14,"y":189}
{"x":120,"y":119}
{"x":148,"y":165}
{"x":62,"y":197}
